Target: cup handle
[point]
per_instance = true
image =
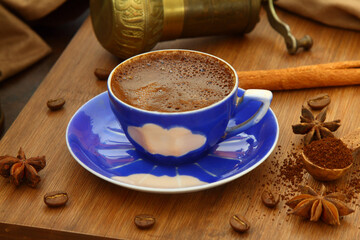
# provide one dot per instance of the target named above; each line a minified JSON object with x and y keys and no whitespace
{"x":263,"y":96}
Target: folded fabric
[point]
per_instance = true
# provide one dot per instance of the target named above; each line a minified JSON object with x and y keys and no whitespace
{"x":20,"y":46}
{"x":338,"y":13}
{"x":32,"y":9}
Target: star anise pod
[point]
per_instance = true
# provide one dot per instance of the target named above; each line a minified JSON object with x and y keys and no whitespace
{"x":329,"y":208}
{"x":315,"y":128}
{"x":19,"y":169}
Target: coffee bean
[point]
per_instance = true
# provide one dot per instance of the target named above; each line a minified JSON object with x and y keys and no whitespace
{"x":239,"y":223}
{"x":102,"y":74}
{"x":55,"y":104}
{"x":56,"y":199}
{"x":319,"y":101}
{"x":269,"y":199}
{"x":144,"y":221}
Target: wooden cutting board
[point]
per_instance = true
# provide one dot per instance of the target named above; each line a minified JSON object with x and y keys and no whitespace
{"x":98,"y":209}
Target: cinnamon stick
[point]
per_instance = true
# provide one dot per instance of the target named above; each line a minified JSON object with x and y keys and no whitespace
{"x":321,"y":75}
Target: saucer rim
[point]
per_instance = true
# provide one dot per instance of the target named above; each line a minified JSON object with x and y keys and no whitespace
{"x":166,"y":190}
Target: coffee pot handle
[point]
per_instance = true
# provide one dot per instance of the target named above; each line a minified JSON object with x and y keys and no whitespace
{"x":263,"y":96}
{"x":292,"y":44}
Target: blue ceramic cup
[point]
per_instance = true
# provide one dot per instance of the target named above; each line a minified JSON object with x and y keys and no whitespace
{"x":174,"y":138}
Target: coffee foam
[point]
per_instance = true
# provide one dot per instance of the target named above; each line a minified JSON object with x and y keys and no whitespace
{"x":177,"y":81}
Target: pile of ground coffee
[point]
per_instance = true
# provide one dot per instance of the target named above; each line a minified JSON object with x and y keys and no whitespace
{"x":287,"y":172}
{"x":329,"y":153}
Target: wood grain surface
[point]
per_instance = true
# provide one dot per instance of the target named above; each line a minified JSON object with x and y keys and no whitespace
{"x":98,"y":209}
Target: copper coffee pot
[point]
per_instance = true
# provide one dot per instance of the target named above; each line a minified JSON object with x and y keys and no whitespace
{"x":129,"y":27}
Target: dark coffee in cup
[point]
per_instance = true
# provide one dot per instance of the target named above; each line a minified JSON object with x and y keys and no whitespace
{"x":172,"y":81}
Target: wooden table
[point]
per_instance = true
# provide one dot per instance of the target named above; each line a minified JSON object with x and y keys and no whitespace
{"x":98,"y":209}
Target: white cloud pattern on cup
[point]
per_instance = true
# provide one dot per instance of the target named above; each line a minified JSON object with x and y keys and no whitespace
{"x":175,"y":141}
{"x":148,"y":180}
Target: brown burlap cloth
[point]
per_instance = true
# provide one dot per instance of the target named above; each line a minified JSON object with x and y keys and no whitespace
{"x":20,"y":46}
{"x":338,"y":13}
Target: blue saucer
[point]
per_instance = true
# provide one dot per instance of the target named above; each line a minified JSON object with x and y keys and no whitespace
{"x":97,"y":142}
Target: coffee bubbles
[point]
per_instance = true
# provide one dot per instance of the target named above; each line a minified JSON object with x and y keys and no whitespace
{"x":175,"y":82}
